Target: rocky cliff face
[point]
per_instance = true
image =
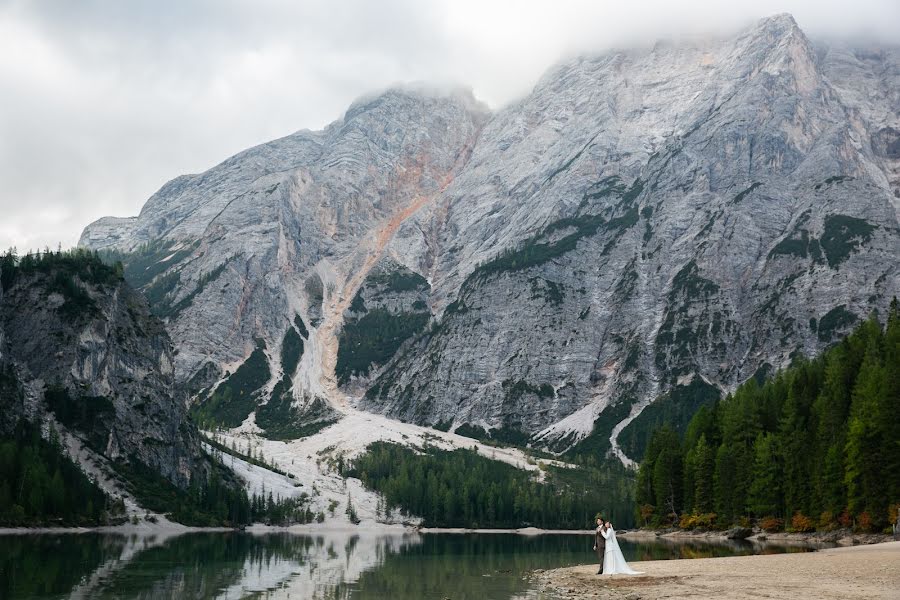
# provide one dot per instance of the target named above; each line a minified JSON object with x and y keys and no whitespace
{"x":76,"y":341}
{"x":663,"y":221}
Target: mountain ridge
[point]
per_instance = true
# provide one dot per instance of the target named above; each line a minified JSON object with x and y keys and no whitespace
{"x":641,"y":220}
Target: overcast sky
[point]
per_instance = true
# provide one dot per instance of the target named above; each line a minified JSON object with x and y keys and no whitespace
{"x":101,"y":102}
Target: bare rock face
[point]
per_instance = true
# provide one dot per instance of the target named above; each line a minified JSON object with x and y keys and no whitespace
{"x":81,"y":344}
{"x":663,"y":222}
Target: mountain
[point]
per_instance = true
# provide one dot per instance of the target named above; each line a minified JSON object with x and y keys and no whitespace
{"x":81,"y":351}
{"x":647,"y":224}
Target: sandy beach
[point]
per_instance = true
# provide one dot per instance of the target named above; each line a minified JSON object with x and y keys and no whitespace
{"x":863,"y":572}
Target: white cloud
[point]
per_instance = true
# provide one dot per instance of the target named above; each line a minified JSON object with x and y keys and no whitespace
{"x":101,"y":102}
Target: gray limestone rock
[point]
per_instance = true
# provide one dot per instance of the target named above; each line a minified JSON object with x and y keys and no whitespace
{"x":87,"y":349}
{"x":643,"y":221}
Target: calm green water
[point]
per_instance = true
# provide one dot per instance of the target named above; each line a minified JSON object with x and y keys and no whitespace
{"x":332,"y":565}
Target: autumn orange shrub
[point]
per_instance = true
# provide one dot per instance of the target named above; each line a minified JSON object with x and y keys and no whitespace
{"x":845,"y":519}
{"x":864,"y":522}
{"x":827,"y":521}
{"x":694,"y":521}
{"x":646,"y":511}
{"x":893,"y":509}
{"x":801,"y":523}
{"x":771,"y":524}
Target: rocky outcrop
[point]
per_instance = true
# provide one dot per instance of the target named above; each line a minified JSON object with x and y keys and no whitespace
{"x":660,"y":222}
{"x":645,"y":220}
{"x":83,"y":347}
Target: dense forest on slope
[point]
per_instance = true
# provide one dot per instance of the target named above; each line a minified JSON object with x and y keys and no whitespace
{"x":817,"y":446}
{"x":41,"y":486}
{"x":462,"y":488}
{"x":39,"y":483}
{"x":217,"y":502}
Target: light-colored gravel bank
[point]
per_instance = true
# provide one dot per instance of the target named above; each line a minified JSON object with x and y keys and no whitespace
{"x":860,"y":572}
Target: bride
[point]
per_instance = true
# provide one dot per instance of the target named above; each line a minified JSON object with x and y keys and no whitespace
{"x":613,"y":561}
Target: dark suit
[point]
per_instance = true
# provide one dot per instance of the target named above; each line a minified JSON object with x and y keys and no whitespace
{"x":600,"y":544}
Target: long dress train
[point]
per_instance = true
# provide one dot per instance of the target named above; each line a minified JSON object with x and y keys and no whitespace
{"x":613,"y":561}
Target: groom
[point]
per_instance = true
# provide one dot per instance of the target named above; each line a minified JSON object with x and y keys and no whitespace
{"x":600,"y":542}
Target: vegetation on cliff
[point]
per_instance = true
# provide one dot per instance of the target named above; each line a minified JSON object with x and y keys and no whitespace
{"x":817,"y":446}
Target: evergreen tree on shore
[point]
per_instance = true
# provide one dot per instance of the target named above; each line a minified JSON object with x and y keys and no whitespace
{"x":816,"y":444}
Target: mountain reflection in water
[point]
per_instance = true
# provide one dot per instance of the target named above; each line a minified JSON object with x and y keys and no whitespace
{"x":334,"y":565}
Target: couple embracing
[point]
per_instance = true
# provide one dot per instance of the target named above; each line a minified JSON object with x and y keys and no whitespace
{"x":607,"y":548}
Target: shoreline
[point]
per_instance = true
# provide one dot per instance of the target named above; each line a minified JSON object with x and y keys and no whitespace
{"x":858,"y":572}
{"x":841,"y":537}
{"x":166,"y":527}
{"x":147,"y":528}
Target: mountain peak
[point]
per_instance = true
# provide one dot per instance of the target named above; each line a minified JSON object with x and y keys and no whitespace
{"x":417,"y":92}
{"x":777,"y":27}
{"x":779,"y":21}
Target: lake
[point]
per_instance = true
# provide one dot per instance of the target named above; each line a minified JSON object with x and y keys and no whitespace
{"x":326,"y":565}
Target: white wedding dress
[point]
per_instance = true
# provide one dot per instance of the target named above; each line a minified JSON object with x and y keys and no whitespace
{"x":613,"y":560}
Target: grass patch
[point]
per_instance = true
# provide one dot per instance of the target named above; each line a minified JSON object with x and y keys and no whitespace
{"x":515,"y":389}
{"x":281,"y":420}
{"x":832,"y":180}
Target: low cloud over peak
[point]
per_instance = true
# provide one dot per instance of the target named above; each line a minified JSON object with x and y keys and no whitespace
{"x":104,"y":102}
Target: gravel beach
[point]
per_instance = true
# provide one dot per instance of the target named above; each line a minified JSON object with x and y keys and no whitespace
{"x":863,"y":572}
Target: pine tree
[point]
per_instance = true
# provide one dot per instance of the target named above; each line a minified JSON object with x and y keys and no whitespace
{"x":865,"y":442}
{"x":704,"y":474}
{"x":689,"y":483}
{"x":765,"y":496}
{"x":830,"y":411}
{"x":667,"y":480}
{"x":794,"y":442}
{"x":728,"y":503}
{"x":891,"y":408}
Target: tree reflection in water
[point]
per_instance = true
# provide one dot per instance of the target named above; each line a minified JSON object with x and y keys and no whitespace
{"x":334,"y":565}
